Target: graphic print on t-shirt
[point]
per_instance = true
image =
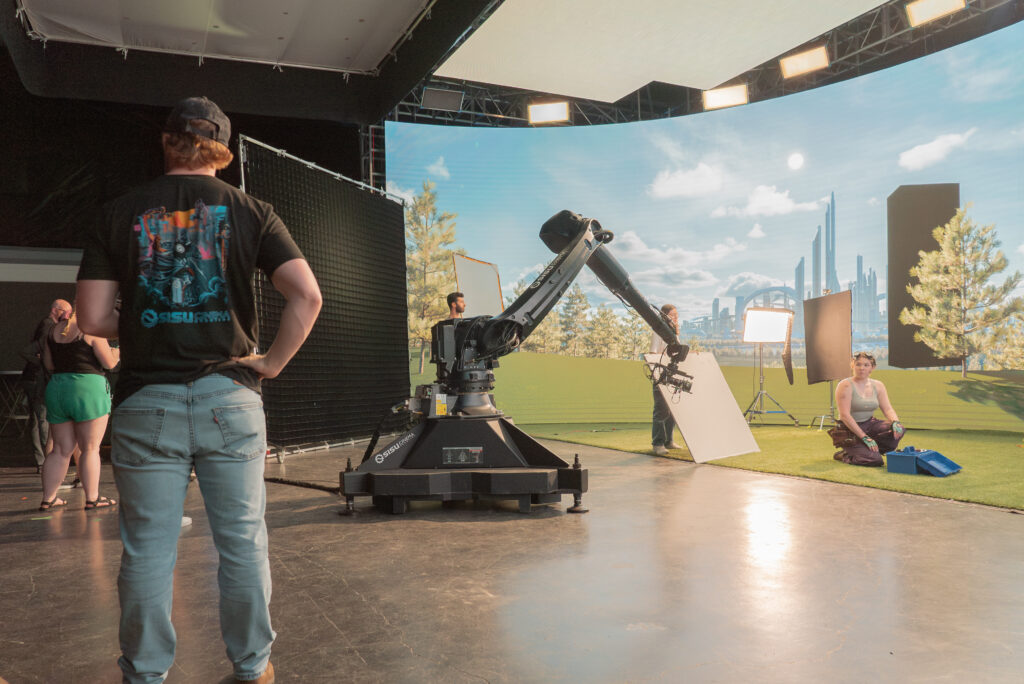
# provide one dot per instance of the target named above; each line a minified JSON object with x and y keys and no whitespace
{"x":182,"y":263}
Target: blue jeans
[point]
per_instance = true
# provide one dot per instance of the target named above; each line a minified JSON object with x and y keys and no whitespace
{"x":662,"y":423}
{"x":158,"y":435}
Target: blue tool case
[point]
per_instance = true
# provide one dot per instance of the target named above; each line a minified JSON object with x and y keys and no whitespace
{"x":912,"y":461}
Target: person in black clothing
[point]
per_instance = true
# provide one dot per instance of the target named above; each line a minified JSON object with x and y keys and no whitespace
{"x":77,"y":406}
{"x":663,"y":425}
{"x":34,"y":377}
{"x":181,"y":250}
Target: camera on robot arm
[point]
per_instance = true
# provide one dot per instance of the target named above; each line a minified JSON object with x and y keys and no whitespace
{"x":665,"y":371}
{"x":669,"y":375}
{"x":466,"y":350}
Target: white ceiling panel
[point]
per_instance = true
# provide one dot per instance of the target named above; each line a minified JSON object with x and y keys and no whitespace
{"x":605,"y":49}
{"x":339,"y":35}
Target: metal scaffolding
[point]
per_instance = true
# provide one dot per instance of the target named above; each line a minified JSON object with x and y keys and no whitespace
{"x":875,"y":40}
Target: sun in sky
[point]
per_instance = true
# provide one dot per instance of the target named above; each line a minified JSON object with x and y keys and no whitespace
{"x":795,"y":161}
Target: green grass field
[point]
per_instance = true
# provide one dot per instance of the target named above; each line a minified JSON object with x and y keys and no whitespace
{"x":547,"y":388}
{"x":993,"y":462}
{"x":976,"y":422}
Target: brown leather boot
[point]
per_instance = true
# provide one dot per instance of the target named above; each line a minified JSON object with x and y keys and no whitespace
{"x":266,"y":678}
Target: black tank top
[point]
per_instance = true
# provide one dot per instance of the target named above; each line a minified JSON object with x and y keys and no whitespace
{"x":73,"y":357}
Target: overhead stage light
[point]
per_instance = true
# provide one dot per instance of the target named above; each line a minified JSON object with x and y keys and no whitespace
{"x":804,"y":62}
{"x":548,"y":112}
{"x":729,"y":96}
{"x":922,"y":11}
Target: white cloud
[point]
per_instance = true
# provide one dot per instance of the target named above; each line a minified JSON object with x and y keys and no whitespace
{"x":703,"y":179}
{"x":766,"y":200}
{"x":669,"y":147}
{"x":971,"y":81}
{"x":756,"y":232}
{"x":663,"y":274}
{"x":405,"y":194}
{"x":933,"y":152}
{"x":664,"y":278}
{"x":439,"y":170}
{"x":872,"y":201}
{"x":630,"y":246}
{"x":745,"y":283}
{"x":1021,"y":249}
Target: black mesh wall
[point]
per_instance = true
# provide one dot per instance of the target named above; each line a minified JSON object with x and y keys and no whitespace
{"x":355,"y":363}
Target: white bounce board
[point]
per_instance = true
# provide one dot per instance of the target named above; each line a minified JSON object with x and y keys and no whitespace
{"x":709,"y":418}
{"x":480,"y":284}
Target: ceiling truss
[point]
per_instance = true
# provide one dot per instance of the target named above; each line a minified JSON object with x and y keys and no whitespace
{"x":875,"y":40}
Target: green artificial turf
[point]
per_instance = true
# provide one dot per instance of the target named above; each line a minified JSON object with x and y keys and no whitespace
{"x":607,"y":402}
{"x":549,"y":388}
{"x":993,"y":462}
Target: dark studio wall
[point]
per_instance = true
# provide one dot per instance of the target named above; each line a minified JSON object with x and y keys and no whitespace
{"x":62,"y":158}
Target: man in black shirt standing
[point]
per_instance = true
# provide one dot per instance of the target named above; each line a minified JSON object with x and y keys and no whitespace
{"x":34,"y":378}
{"x":181,"y":252}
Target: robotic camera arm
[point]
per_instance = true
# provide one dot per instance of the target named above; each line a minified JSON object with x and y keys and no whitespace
{"x":465,"y":350}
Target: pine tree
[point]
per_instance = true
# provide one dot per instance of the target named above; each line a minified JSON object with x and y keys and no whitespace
{"x":958,"y":311}
{"x":428,"y":235}
{"x":602,"y":339}
{"x":548,"y":334}
{"x":635,"y":335}
{"x":574,"y":320}
{"x":1010,"y":352}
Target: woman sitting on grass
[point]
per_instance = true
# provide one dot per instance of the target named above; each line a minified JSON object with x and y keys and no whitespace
{"x":857,"y":398}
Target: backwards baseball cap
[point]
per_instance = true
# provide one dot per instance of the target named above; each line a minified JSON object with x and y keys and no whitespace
{"x":181,"y":117}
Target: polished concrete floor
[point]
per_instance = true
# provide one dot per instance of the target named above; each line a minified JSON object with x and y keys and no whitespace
{"x":679,"y":573}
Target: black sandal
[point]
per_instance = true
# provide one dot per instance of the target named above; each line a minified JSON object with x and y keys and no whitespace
{"x":100,"y":502}
{"x":45,"y":505}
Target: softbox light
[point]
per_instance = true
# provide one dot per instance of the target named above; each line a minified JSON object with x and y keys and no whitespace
{"x":766,"y":325}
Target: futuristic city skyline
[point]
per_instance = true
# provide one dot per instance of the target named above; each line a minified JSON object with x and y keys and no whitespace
{"x":725,"y":204}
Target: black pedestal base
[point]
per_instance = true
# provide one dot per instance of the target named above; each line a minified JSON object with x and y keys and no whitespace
{"x":458,"y":459}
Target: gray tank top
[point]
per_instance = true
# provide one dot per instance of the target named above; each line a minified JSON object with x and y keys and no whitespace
{"x":862,"y":408}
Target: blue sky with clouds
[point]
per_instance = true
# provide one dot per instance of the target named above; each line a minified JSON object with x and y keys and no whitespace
{"x":716,"y":204}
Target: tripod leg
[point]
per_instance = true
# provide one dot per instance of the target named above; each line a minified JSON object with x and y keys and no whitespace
{"x":783,"y":409}
{"x":751,"y":407}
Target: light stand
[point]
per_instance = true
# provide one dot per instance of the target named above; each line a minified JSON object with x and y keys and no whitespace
{"x":765,"y":325}
{"x":831,"y":417}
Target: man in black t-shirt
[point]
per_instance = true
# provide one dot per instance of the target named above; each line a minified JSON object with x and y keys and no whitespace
{"x":181,"y":252}
{"x":34,"y":378}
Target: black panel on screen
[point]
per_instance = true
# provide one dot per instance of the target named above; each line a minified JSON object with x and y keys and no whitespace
{"x":22,"y":306}
{"x":914,"y":212}
{"x":355,"y":363}
{"x":828,"y":333}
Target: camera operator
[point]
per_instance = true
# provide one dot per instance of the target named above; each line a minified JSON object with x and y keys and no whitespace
{"x":662,"y":423}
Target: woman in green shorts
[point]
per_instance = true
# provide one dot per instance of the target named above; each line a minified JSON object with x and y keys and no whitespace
{"x":77,"y":408}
